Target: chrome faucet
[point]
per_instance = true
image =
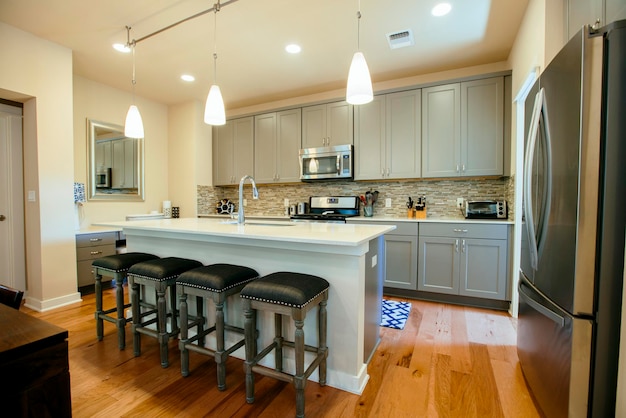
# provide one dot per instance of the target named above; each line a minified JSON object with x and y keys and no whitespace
{"x":255,"y":195}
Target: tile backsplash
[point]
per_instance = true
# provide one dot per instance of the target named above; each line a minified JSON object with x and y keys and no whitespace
{"x":441,"y":195}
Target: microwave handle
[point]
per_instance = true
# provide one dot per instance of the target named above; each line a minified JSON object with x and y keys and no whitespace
{"x":338,"y":164}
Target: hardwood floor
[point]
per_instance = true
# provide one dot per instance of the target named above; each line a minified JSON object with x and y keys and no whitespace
{"x":449,"y":361}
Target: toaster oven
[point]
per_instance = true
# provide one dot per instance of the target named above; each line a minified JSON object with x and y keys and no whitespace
{"x":486,"y":209}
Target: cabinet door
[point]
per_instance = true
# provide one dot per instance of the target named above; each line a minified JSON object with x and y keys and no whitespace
{"x":103,"y":154}
{"x":265,"y":146}
{"x":482,"y":116}
{"x":403,"y":135}
{"x":584,"y":12}
{"x":118,"y":167}
{"x":242,"y":148}
{"x":369,"y":140}
{"x":130,"y":151}
{"x":441,"y":133}
{"x":339,"y":124}
{"x":314,"y":126}
{"x":438,"y":261}
{"x":223,"y":151}
{"x":483,"y":268}
{"x":401,"y":261}
{"x":288,"y":132}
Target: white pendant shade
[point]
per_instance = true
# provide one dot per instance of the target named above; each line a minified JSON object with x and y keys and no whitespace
{"x":214,"y":113}
{"x":133,"y":128}
{"x":359,"y":81}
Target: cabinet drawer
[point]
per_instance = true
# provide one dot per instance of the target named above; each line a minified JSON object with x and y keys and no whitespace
{"x":402,"y":228}
{"x":91,"y":253}
{"x":100,"y":238}
{"x":467,"y":230}
{"x":84,"y":272}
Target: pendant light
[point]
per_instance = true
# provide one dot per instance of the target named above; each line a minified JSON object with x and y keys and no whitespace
{"x":214,"y":113}
{"x":359,"y":89}
{"x":133,"y":128}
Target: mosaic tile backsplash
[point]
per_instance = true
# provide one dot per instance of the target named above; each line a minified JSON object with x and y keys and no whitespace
{"x":440,"y":195}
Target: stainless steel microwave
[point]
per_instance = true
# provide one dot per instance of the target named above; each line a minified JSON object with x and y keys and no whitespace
{"x":103,"y":178}
{"x":486,"y":209}
{"x":327,"y":163}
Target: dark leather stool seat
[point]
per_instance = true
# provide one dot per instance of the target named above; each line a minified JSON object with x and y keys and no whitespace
{"x":293,"y":294}
{"x":161,"y":274}
{"x":115,"y":266}
{"x":216,"y":282}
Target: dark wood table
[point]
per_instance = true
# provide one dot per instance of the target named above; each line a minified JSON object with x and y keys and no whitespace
{"x":34,"y":367}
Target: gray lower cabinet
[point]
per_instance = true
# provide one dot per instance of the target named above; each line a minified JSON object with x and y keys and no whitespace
{"x":463,"y":259}
{"x":400,"y":255}
{"x":90,"y":247}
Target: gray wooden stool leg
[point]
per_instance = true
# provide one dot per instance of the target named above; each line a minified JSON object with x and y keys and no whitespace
{"x":119,"y":302}
{"x":220,"y":358}
{"x":174,"y":313}
{"x":184,"y":334}
{"x":299,"y":380}
{"x":278,"y":339}
{"x":251,"y":348}
{"x":163,"y":336}
{"x":323,"y":348}
{"x":136,"y":310}
{"x":98,"y":290}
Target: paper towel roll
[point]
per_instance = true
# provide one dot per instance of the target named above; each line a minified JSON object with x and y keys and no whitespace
{"x":167,"y":208}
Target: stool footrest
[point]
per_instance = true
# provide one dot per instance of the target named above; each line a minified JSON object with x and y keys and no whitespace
{"x":209,"y":351}
{"x":309,"y":348}
{"x":266,"y":371}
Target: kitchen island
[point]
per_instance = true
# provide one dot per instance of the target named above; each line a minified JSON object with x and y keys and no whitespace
{"x":347,"y":256}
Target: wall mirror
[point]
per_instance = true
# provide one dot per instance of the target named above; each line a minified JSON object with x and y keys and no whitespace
{"x":114,"y":163}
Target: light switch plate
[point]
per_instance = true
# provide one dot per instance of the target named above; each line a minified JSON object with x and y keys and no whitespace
{"x":31,"y":196}
{"x":286,"y":202}
{"x":245,"y":202}
{"x":388,"y":202}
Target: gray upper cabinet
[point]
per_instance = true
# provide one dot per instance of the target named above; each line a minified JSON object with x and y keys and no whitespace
{"x":462,"y":129}
{"x":233,"y":145}
{"x":388,"y":137}
{"x":277,"y":142}
{"x":326,"y":125}
{"x":583,"y":12}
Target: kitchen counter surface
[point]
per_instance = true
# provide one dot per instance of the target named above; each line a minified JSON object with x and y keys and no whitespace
{"x":346,"y":255}
{"x":94,"y":229}
{"x":427,"y":220}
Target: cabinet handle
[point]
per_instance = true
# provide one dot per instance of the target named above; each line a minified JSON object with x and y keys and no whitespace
{"x":95,"y":239}
{"x":387,"y":171}
{"x":463,"y":168}
{"x":456,"y":245}
{"x":457,"y":168}
{"x":463,"y":246}
{"x":95,"y":252}
{"x":460,"y":230}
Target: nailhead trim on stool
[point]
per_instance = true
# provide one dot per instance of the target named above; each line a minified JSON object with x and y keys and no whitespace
{"x":293,"y":294}
{"x":160,"y":274}
{"x":115,"y":266}
{"x":216,"y":282}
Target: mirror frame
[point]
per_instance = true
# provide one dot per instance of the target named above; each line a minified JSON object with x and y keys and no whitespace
{"x":92,"y":192}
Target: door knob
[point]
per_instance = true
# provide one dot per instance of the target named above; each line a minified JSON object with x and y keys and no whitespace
{"x":2,"y":218}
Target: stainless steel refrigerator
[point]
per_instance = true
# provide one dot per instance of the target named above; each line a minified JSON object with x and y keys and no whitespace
{"x":574,"y":221}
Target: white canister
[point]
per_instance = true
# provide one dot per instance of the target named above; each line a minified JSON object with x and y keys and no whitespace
{"x":167,"y":209}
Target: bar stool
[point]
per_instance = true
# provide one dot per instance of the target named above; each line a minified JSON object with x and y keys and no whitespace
{"x":293,"y":294}
{"x":216,"y":282}
{"x":115,"y":266}
{"x":160,"y":274}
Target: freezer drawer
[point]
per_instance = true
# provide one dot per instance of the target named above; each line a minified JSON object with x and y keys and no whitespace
{"x":554,"y":351}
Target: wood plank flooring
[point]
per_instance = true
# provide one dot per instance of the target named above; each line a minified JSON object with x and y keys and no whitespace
{"x":448,"y":361}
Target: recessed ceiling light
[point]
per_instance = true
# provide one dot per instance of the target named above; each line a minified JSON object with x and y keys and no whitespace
{"x":441,"y":9}
{"x":293,"y":48}
{"x":187,"y":77}
{"x":121,"y":48}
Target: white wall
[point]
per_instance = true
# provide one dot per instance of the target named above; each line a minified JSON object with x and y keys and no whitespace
{"x":39,"y":74}
{"x":99,"y":102}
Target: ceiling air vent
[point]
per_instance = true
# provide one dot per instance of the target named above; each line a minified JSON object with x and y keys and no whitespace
{"x":400,"y":39}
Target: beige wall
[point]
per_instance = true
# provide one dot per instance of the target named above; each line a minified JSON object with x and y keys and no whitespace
{"x":103,"y":103}
{"x":40,"y":75}
{"x":189,"y":155}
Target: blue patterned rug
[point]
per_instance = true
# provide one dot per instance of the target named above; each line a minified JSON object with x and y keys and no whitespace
{"x":394,"y":314}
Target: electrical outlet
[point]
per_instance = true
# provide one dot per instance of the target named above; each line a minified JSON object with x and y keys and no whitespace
{"x":245,"y":202}
{"x":459,"y":202}
{"x":388,"y":202}
{"x":286,"y":202}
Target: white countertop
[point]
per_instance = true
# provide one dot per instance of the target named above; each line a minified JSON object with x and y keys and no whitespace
{"x":309,"y":233}
{"x":428,"y":220}
{"x":94,"y":229}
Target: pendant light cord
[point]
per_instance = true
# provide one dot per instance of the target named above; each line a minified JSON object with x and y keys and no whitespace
{"x":216,"y":8}
{"x":358,"y":28}
{"x":131,"y":45}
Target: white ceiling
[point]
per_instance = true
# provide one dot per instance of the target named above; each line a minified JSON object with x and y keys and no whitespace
{"x":252,"y":65}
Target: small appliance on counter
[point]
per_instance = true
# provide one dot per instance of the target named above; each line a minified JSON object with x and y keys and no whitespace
{"x":329,"y":209}
{"x":486,"y":209}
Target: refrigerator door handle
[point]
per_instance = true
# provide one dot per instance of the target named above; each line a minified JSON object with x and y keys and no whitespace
{"x":548,"y":313}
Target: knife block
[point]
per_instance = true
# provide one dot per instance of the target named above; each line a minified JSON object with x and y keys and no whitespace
{"x":420,"y":214}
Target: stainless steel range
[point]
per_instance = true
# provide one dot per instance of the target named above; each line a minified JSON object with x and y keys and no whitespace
{"x":329,"y":209}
